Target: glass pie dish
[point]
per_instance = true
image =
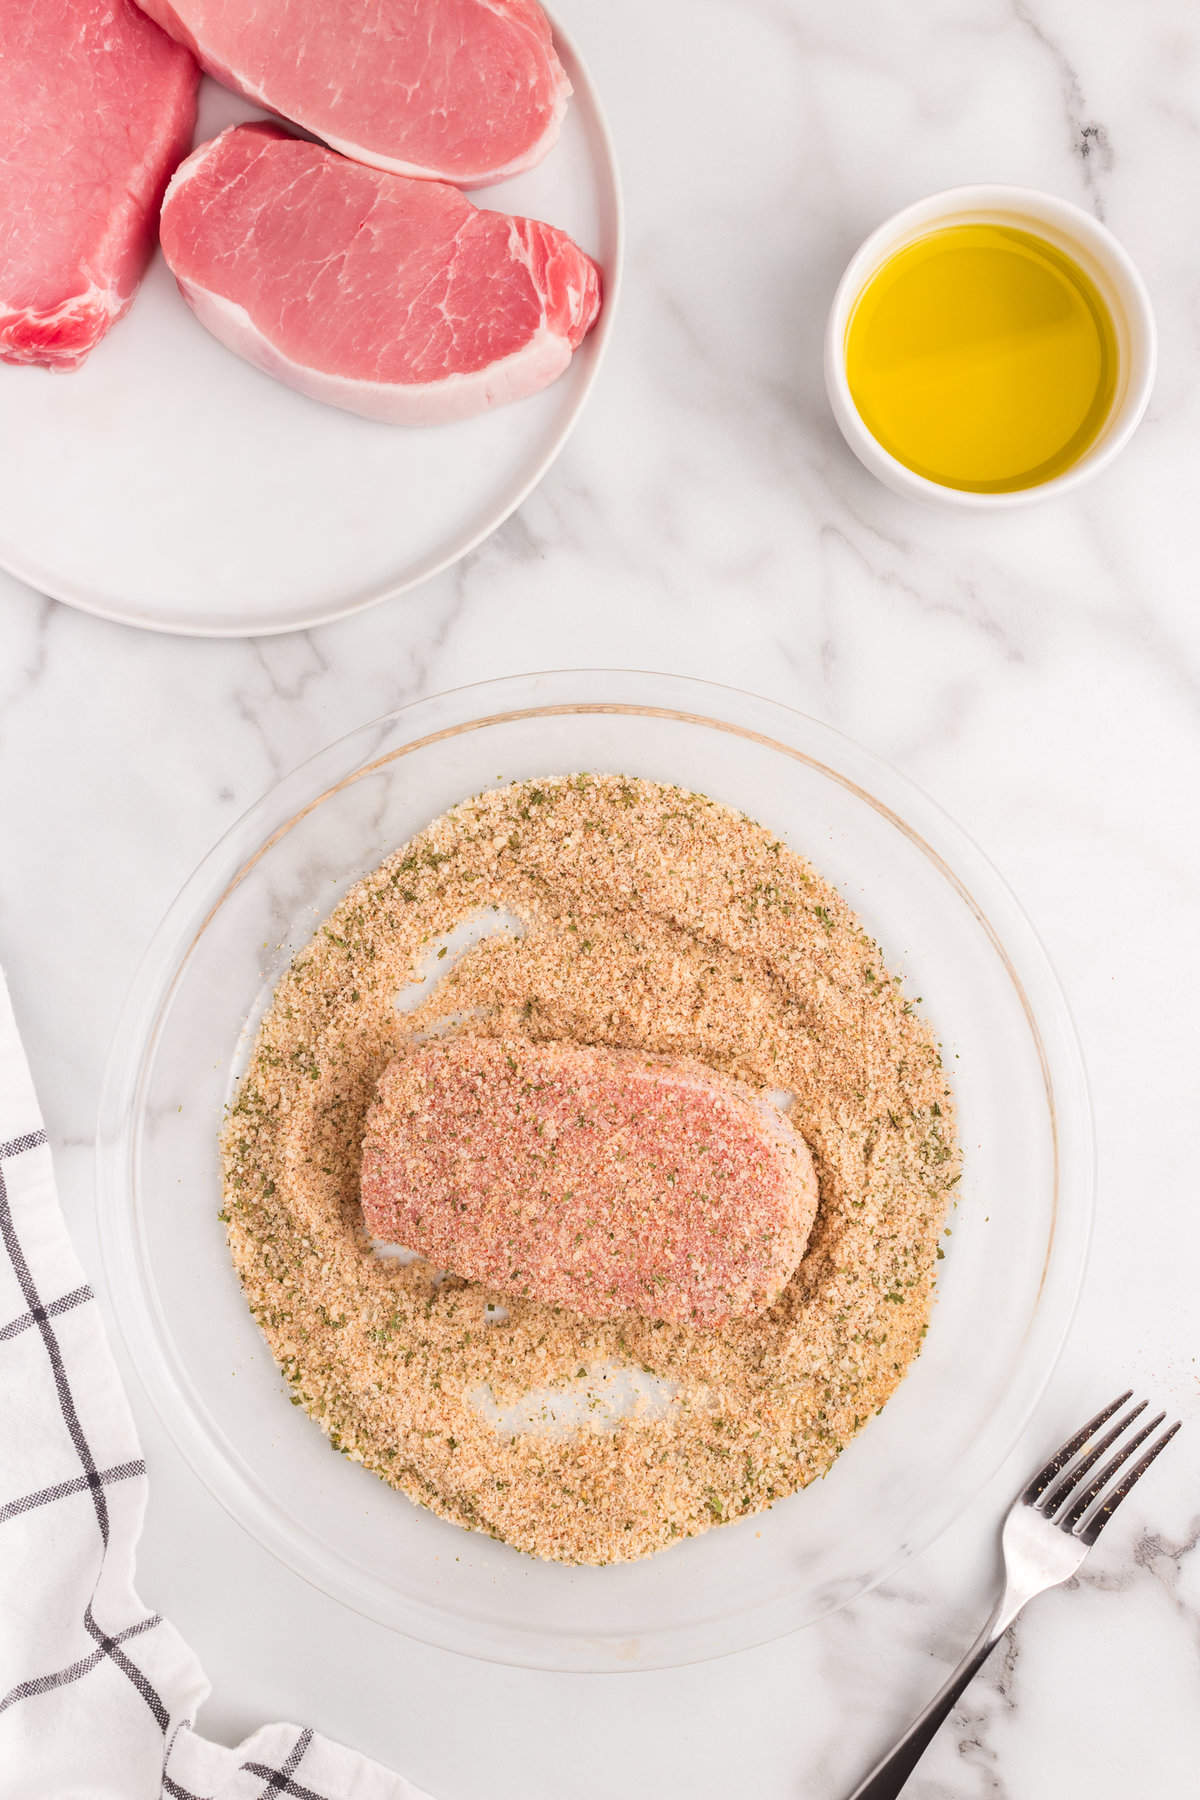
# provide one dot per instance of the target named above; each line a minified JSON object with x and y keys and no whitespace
{"x":1007,"y":1286}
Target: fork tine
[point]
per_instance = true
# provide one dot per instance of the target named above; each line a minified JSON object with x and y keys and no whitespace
{"x":1104,"y":1512}
{"x":1085,"y":1496}
{"x":1062,"y":1456}
{"x":1079,"y":1469}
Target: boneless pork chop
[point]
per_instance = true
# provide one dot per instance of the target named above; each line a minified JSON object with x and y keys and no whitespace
{"x":605,"y":1181}
{"x":468,"y":91}
{"x":392,"y":298}
{"x":96,"y":109}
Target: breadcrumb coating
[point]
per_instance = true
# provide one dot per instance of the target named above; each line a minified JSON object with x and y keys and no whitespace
{"x":603,"y":1181}
{"x":657,"y":921}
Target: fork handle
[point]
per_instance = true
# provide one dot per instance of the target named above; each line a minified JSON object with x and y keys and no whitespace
{"x":889,"y":1777}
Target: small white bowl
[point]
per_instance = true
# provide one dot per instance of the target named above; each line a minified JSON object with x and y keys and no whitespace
{"x":1071,"y":229}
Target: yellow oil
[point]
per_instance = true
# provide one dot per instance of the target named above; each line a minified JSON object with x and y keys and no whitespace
{"x":982,"y":357}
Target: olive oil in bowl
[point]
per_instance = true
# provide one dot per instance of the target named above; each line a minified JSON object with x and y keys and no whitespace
{"x":982,"y":357}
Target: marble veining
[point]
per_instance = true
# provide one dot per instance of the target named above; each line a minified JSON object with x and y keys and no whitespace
{"x":1039,"y":673}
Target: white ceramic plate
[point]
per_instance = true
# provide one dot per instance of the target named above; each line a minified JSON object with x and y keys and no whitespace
{"x":168,"y":484}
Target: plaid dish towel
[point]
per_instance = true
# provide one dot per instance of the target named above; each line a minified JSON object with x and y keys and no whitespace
{"x":97,"y":1695}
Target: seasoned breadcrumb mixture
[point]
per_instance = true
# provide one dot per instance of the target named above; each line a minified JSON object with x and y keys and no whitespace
{"x":656,"y":920}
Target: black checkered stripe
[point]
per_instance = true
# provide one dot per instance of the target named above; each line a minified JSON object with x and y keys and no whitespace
{"x":279,"y":1781}
{"x":40,"y":1316}
{"x":111,"y":1645}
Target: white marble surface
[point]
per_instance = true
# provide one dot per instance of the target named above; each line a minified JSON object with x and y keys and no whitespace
{"x":1039,"y":674}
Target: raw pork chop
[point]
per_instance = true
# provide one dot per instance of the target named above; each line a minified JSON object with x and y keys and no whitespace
{"x":393,"y":298}
{"x":601,"y":1180}
{"x":468,"y":91}
{"x":96,"y":109}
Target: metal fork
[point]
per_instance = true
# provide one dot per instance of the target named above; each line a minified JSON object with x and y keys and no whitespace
{"x":1049,"y":1530}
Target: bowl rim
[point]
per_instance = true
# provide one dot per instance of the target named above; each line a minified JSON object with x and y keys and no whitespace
{"x":164,"y":963}
{"x":1037,"y":207}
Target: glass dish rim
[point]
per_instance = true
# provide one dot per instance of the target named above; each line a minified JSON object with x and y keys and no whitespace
{"x":164,"y":963}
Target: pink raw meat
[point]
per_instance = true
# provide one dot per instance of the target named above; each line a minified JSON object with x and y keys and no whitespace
{"x":392,"y":298}
{"x":96,"y":109}
{"x":468,"y":91}
{"x":602,"y":1180}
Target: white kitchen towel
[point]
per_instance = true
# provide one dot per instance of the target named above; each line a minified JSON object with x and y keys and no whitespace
{"x":97,"y":1695}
